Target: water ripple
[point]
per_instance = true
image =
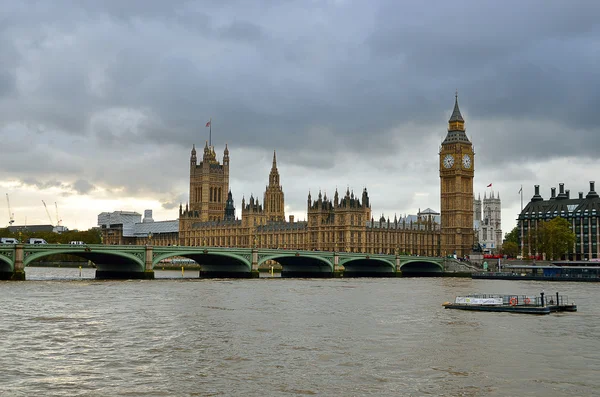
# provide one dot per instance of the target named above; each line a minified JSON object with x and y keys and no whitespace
{"x":359,"y":337}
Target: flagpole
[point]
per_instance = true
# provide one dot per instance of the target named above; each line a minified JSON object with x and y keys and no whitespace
{"x":210,"y":132}
{"x":521,"y":198}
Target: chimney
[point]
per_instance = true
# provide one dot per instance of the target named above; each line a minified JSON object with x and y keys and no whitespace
{"x":147,"y":216}
{"x":552,"y":193}
{"x":568,"y":193}
{"x":536,"y":196}
{"x":580,"y":195}
{"x":592,"y":193}
{"x":561,"y":188}
{"x":291,"y":218}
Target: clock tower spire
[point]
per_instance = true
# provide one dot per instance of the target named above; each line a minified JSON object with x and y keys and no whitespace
{"x":457,"y":169}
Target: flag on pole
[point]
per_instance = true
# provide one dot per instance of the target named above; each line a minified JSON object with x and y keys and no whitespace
{"x":490,"y":185}
{"x":521,"y":189}
{"x":209,"y":124}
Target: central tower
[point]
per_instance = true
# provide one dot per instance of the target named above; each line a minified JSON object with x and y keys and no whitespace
{"x":209,"y":185}
{"x":273,"y":198}
{"x":457,"y":168}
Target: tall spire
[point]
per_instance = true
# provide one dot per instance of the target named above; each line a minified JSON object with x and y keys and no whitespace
{"x":456,"y":125}
{"x":274,"y":174}
{"x":456,"y":116}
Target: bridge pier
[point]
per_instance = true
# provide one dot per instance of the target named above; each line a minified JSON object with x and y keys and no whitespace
{"x":18,"y":273}
{"x":254,"y":273}
{"x":398,"y":267}
{"x":338,"y":271}
{"x":148,"y":269}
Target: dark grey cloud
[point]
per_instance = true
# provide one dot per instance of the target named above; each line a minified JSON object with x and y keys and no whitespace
{"x":113,"y":94}
{"x":82,"y":186}
{"x":42,"y":184}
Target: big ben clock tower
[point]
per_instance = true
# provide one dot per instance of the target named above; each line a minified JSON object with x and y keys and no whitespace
{"x":457,"y":168}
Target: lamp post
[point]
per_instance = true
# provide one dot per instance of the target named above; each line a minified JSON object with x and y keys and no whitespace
{"x":149,"y":238}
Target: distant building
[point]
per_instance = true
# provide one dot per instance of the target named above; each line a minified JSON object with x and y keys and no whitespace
{"x":488,"y":222}
{"x":37,"y":229}
{"x":582,"y":213}
{"x":127,"y":227}
{"x":343,"y":223}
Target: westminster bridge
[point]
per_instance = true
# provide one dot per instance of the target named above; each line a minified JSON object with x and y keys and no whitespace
{"x":138,"y":261}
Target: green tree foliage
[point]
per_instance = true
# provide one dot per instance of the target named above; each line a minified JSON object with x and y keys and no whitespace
{"x":510,"y":249}
{"x":91,"y":236}
{"x":554,"y":238}
{"x":512,"y":236}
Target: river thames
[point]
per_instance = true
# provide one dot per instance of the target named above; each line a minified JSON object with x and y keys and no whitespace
{"x":66,"y":335}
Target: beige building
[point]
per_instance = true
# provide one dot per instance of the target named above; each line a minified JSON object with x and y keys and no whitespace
{"x":338,"y":224}
{"x":457,"y":169}
{"x":341,"y":223}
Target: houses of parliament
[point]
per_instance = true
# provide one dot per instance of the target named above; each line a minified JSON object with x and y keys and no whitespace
{"x":343,"y":222}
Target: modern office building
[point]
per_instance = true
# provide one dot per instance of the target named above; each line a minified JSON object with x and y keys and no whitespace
{"x":582,"y":213}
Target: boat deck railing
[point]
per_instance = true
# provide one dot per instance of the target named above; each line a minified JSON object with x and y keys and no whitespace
{"x":526,"y":300}
{"x":554,"y":276}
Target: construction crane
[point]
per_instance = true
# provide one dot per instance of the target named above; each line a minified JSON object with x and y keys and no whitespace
{"x":11,"y":215}
{"x":58,"y":220}
{"x":48,"y":212}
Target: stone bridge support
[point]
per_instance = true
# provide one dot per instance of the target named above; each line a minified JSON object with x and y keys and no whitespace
{"x":148,"y":268}
{"x":254,"y":262}
{"x":338,"y":271}
{"x":19,"y":266}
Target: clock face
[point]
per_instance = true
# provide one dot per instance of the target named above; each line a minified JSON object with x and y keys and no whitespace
{"x":448,"y":161}
{"x":466,"y":161}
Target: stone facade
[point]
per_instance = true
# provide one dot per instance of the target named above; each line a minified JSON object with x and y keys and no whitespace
{"x":338,"y":224}
{"x":488,"y":222}
{"x":209,"y":185}
{"x":341,"y":224}
{"x":457,"y":166}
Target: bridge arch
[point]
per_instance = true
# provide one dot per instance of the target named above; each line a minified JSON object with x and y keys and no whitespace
{"x":102,"y":258}
{"x":208,"y":258}
{"x":368,"y":267}
{"x":299,"y":264}
{"x":6,"y":264}
{"x":421,"y":267}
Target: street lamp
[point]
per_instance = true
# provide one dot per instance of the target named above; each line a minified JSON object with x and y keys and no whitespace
{"x":149,"y":238}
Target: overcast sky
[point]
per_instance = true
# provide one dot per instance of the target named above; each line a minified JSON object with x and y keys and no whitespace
{"x":101,"y":101}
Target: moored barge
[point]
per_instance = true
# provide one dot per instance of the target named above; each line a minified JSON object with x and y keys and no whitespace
{"x":543,"y":273}
{"x":513,"y":303}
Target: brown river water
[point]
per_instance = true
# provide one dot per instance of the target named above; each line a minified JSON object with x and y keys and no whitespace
{"x":62,"y":334}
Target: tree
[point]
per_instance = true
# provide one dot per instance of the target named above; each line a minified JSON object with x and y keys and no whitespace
{"x":510,"y":248}
{"x":512,"y":236}
{"x":555,"y":238}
